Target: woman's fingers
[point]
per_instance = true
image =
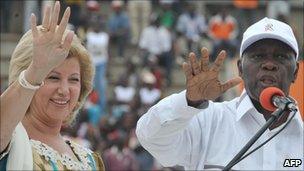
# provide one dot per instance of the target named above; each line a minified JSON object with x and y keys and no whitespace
{"x":194,"y":64}
{"x":50,"y":21}
{"x":63,"y":24}
{"x":68,"y":41}
{"x":34,"y":26}
{"x":205,"y":59}
{"x":231,"y":83}
{"x":46,"y":17}
{"x":55,"y":15}
{"x":219,"y":61}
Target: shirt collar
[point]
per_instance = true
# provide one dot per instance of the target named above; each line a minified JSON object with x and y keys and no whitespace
{"x":244,"y":105}
{"x":298,"y":118}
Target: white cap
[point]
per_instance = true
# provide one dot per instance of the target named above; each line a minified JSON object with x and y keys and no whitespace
{"x":272,"y":29}
{"x":117,"y":3}
{"x":148,"y":77}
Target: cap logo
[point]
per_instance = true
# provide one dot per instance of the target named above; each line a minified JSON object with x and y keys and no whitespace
{"x":268,"y":27}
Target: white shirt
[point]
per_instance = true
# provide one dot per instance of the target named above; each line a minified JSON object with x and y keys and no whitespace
{"x":124,"y":94}
{"x":177,"y":134}
{"x":97,"y":45}
{"x":19,"y":151}
{"x":148,"y":96}
{"x":156,"y":40}
{"x":191,"y":27}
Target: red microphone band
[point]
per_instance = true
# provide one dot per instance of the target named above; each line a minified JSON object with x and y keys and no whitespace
{"x":266,"y":97}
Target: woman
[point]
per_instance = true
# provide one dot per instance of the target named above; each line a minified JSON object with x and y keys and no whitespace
{"x":50,"y":76}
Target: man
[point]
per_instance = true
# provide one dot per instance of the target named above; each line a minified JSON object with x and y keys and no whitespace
{"x":119,"y":27}
{"x":156,"y":45}
{"x":190,"y":130}
{"x":223,"y":31}
{"x":192,"y":25}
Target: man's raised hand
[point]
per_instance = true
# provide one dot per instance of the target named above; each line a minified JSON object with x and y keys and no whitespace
{"x":202,"y":81}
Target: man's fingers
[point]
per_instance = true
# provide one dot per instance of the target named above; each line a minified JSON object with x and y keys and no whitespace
{"x":34,"y":26}
{"x":205,"y":59}
{"x":68,"y":41}
{"x":231,"y":83}
{"x":187,"y":70}
{"x":55,"y":15}
{"x":194,"y":64}
{"x":46,"y":17}
{"x":219,"y":61}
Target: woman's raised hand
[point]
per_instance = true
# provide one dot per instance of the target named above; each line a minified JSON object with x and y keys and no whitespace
{"x":49,"y":50}
{"x":202,"y":80}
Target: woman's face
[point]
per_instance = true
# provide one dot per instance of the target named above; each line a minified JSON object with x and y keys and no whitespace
{"x":57,"y":98}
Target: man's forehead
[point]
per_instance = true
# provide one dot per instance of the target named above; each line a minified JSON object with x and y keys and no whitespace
{"x":269,"y":43}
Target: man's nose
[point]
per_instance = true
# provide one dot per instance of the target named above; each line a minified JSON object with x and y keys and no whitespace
{"x":270,"y":65}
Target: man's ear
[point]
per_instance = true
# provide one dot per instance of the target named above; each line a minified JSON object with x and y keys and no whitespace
{"x":295,"y":74}
{"x":240,"y":67}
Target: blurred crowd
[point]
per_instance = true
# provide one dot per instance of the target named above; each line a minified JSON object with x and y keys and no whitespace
{"x":162,"y":33}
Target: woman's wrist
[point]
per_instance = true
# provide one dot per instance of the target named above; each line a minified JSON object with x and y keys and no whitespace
{"x":34,"y":76}
{"x":25,"y":84}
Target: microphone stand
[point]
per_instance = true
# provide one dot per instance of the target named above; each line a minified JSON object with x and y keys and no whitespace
{"x":274,"y":116}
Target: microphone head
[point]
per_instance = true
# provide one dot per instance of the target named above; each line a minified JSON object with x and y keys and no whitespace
{"x":266,"y":97}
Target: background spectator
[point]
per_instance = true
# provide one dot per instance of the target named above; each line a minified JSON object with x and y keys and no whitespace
{"x":119,"y":27}
{"x":246,"y":12}
{"x":278,"y":7}
{"x":97,"y":41}
{"x":192,"y":26}
{"x":139,"y":12}
{"x":156,"y":45}
{"x":223,"y":30}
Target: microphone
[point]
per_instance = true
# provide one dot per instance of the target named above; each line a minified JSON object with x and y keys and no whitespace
{"x":272,"y":98}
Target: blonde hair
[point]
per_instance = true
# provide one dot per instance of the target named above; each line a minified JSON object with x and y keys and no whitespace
{"x":23,"y":54}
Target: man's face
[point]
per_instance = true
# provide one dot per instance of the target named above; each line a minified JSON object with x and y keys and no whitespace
{"x":267,"y":63}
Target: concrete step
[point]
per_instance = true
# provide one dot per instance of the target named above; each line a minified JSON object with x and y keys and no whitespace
{"x":7,"y":46}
